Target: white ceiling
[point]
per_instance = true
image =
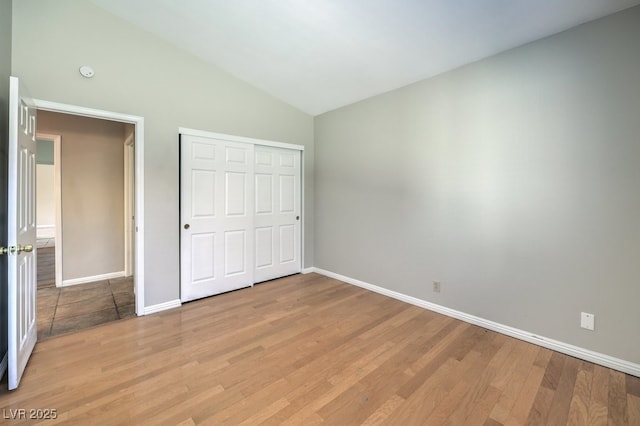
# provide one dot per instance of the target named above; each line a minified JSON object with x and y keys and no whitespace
{"x":318,"y":55}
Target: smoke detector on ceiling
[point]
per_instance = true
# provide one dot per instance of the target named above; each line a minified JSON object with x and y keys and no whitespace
{"x":87,"y":71}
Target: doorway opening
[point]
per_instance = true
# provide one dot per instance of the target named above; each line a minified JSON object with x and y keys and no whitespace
{"x":49,"y":211}
{"x":104,"y":260}
{"x":83,"y":222}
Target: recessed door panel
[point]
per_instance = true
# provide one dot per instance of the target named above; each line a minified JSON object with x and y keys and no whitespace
{"x":203,"y":257}
{"x":264,"y":158}
{"x":23,"y":298}
{"x":24,"y":207}
{"x":32,"y":191}
{"x":203,"y":196}
{"x":264,"y":193}
{"x":235,"y":194}
{"x":234,"y":252}
{"x":264,"y":247}
{"x":287,"y":244}
{"x":236,"y":155}
{"x":287,"y":194}
{"x":203,"y":151}
{"x":288,"y":159}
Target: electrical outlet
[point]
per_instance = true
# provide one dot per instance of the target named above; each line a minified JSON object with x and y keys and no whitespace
{"x":587,"y":321}
{"x":436,"y":286}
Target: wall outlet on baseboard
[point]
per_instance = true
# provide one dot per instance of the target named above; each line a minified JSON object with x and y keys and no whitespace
{"x":436,"y":286}
{"x":587,"y":321}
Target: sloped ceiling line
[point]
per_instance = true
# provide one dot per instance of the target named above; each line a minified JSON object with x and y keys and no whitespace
{"x":324,"y":54}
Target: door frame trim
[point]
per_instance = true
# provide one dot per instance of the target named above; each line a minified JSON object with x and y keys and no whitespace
{"x":57,"y":195}
{"x":232,"y":138}
{"x":138,"y":123}
{"x":129,"y":203}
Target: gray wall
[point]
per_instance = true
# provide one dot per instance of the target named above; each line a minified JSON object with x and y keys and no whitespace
{"x":137,"y":73}
{"x":92,"y":188}
{"x":5,"y":72}
{"x":515,"y":181}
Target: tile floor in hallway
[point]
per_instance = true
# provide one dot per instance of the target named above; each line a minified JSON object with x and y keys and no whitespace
{"x":46,"y":267}
{"x":66,"y":309}
{"x":73,"y":308}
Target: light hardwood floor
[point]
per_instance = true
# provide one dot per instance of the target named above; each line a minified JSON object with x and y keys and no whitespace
{"x":308,"y":350}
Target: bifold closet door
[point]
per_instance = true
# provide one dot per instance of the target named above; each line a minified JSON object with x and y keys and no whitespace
{"x":277,"y":212}
{"x":216,"y":212}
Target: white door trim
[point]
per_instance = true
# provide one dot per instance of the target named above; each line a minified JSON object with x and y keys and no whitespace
{"x":138,"y":123}
{"x":57,"y":196}
{"x":129,"y":201}
{"x":242,"y":139}
{"x":302,"y":210}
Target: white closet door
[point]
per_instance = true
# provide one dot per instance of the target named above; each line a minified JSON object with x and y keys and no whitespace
{"x":216,"y":205}
{"x":277,"y":212}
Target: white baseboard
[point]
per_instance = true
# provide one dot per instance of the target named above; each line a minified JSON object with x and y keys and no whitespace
{"x":3,"y":364}
{"x":94,"y":278}
{"x":566,"y":348}
{"x":162,"y":306}
{"x":308,"y":270}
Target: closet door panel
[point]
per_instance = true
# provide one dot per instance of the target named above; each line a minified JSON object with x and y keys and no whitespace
{"x":282,"y":192}
{"x":216,"y":214}
{"x":264,"y":247}
{"x":240,"y":206}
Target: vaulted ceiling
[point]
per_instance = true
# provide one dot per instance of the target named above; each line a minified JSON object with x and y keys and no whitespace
{"x":318,"y":55}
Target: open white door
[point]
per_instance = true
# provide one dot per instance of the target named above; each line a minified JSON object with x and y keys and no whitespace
{"x":21,"y":231}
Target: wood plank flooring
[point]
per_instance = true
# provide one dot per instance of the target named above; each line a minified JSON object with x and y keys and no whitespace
{"x":307,"y":350}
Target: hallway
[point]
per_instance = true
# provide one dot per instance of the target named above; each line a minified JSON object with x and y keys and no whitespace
{"x":67,"y":309}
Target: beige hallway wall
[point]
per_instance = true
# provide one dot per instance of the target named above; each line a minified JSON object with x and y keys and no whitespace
{"x":92,"y":153}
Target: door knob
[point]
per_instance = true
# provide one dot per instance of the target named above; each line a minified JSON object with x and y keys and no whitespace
{"x":16,"y":250}
{"x":26,"y":249}
{"x":186,"y":226}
